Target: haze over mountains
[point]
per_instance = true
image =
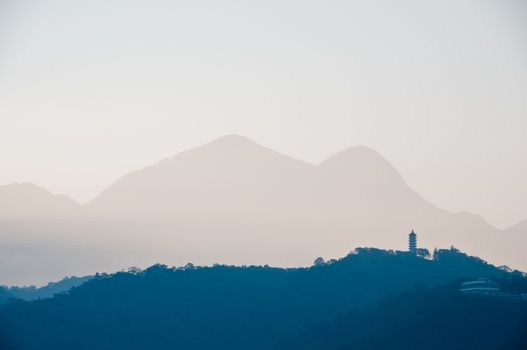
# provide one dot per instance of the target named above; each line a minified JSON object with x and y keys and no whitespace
{"x":235,"y":202}
{"x":27,"y":201}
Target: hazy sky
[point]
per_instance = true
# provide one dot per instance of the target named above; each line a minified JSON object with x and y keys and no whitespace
{"x":90,"y":90}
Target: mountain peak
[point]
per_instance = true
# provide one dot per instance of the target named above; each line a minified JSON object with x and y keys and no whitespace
{"x":233,"y":139}
{"x":356,"y":153}
{"x":363,"y":162}
{"x":22,"y":186}
{"x":226,"y":144}
{"x":29,"y":200}
{"x":29,"y":189}
{"x":236,"y":148}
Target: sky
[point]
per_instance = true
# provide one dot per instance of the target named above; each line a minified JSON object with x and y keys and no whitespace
{"x":90,"y":90}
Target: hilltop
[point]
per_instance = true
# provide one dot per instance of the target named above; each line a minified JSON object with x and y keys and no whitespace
{"x":229,"y":307}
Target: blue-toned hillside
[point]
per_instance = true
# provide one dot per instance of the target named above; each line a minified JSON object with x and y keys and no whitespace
{"x":227,"y":307}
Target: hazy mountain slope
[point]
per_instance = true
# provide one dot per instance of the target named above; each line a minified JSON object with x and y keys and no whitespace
{"x":38,"y":233}
{"x":235,"y":201}
{"x":231,"y":176}
{"x":235,"y":189}
{"x":515,"y":240}
{"x":518,"y":229}
{"x":26,"y":202}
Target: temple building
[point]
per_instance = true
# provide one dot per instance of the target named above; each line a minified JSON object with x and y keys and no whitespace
{"x":481,"y":286}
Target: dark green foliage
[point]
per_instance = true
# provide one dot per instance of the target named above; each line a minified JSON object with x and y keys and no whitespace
{"x":436,"y":318}
{"x":224,"y":307}
{"x":4,"y":295}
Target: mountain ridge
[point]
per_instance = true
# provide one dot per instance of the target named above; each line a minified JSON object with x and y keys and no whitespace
{"x":260,"y":307}
{"x":234,"y":200}
{"x":19,"y":199}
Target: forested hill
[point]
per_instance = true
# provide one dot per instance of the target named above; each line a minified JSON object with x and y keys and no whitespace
{"x":438,"y":318}
{"x":227,"y":307}
{"x":4,"y":295}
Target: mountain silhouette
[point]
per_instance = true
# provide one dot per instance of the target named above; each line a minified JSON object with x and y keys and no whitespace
{"x":235,"y":201}
{"x":230,"y":176}
{"x":518,"y":235}
{"x":519,"y":228}
{"x":27,"y":201}
{"x":326,"y":306}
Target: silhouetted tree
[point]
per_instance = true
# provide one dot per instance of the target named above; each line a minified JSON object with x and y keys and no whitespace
{"x":319,"y":261}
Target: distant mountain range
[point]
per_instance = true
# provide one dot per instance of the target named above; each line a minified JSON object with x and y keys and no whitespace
{"x":26,"y":201}
{"x":518,"y":232}
{"x":234,"y":201}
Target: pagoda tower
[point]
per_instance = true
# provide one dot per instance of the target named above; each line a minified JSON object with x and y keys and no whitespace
{"x":412,"y":243}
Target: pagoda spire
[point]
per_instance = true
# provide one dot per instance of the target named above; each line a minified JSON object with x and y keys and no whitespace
{"x":412,"y":243}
